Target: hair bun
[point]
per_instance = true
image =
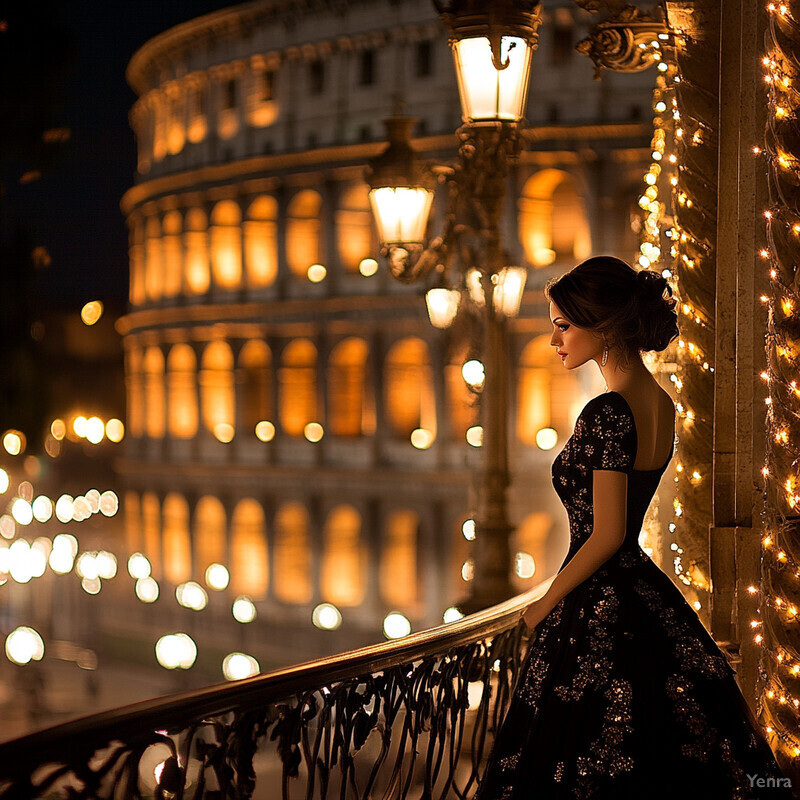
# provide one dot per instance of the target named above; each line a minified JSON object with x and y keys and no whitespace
{"x":652,"y":285}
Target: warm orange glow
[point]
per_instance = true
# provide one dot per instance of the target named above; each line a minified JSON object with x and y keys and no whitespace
{"x":91,"y":312}
{"x":344,"y":558}
{"x":176,"y":130}
{"x":195,"y":240}
{"x":155,"y":405}
{"x":553,"y":223}
{"x":533,"y":389}
{"x":177,"y":546}
{"x":216,"y":386}
{"x":408,"y":387}
{"x":209,"y":529}
{"x":249,"y":567}
{"x":182,"y":392}
{"x":153,"y":264}
{"x":254,"y":383}
{"x":136,"y":257}
{"x":292,"y":555}
{"x":226,"y":244}
{"x":172,"y":252}
{"x":297,"y":381}
{"x":398,"y":566}
{"x":532,"y":536}
{"x":261,"y":242}
{"x":303,"y":232}
{"x":348,"y":406}
{"x":354,"y":227}
{"x":151,"y":525}
{"x":133,"y":523}
{"x":134,"y":381}
{"x":461,"y":405}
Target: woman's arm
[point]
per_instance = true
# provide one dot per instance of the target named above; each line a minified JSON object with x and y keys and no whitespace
{"x":609,"y":489}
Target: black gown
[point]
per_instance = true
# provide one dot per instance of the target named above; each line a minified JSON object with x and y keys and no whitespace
{"x":623,"y":693}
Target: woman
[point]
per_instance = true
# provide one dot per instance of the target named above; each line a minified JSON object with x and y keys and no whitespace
{"x":622,"y":692}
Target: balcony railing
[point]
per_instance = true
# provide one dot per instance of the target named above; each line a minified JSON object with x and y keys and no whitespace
{"x":409,"y":718}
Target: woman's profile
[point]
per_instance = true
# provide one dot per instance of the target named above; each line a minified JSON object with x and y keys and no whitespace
{"x":622,"y":693}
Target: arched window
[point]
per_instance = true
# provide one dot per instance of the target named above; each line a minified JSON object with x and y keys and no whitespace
{"x":547,"y":395}
{"x":408,"y":385}
{"x":354,"y":227}
{"x":176,"y":136}
{"x":303,"y":231}
{"x":350,"y":409}
{"x":398,"y":570}
{"x":153,"y":263}
{"x":533,"y":389}
{"x":553,"y":223}
{"x":136,"y":256}
{"x":209,"y":531}
{"x":216,"y":390}
{"x":297,"y":382}
{"x":292,"y":555}
{"x":160,"y":123}
{"x":344,"y":558}
{"x":261,"y":242}
{"x":173,"y":253}
{"x":134,"y":380}
{"x":226,"y":244}
{"x":151,"y":527}
{"x":177,"y":545}
{"x":134,"y":539}
{"x":254,"y":379}
{"x":249,"y":566}
{"x":182,"y":392}
{"x":195,"y":240}
{"x":530,"y":551}
{"x":154,"y":392}
{"x":461,"y":402}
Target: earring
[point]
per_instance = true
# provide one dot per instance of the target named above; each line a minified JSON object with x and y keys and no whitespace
{"x":605,"y":356}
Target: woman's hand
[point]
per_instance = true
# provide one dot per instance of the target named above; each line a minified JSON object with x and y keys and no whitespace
{"x":535,"y":613}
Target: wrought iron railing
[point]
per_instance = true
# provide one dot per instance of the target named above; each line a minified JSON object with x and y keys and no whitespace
{"x":410,"y":718}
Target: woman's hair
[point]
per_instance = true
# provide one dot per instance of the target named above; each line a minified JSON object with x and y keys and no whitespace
{"x":627,"y":306}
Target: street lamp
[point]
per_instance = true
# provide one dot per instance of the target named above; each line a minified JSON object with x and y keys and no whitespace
{"x":492,"y":44}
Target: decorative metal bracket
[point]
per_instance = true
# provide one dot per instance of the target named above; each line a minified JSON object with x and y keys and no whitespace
{"x":622,"y":41}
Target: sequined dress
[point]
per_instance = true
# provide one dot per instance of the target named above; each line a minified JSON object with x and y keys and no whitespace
{"x":623,"y":693}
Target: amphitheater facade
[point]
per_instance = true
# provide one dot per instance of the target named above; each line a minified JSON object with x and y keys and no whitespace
{"x":292,"y":414}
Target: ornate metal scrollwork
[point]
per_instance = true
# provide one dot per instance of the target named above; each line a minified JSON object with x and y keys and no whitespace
{"x":621,"y":41}
{"x":386,"y":721}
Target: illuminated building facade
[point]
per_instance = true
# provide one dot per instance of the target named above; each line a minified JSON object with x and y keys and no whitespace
{"x":291,"y":412}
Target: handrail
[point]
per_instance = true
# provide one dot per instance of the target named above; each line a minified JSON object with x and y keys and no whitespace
{"x":425,"y":675}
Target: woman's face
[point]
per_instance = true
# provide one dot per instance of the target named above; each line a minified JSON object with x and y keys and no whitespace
{"x":575,"y":346}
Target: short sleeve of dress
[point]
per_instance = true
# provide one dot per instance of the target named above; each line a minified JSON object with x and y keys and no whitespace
{"x":609,"y":434}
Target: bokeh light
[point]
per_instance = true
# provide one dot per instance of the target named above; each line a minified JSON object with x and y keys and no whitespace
{"x":546,"y":438}
{"x":91,"y":312}
{"x":176,"y":651}
{"x":115,"y":430}
{"x":237,"y":666}
{"x":243,"y":610}
{"x":326,"y":616}
{"x":191,"y":595}
{"x":139,"y":566}
{"x":147,"y":590}
{"x":317,"y":273}
{"x":24,"y":645}
{"x":395,"y":625}
{"x":265,"y":430}
{"x":422,"y":438}
{"x":217,"y":577}
{"x":368,"y":267}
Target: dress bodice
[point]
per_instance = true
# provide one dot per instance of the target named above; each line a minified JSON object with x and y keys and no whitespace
{"x":604,"y":438}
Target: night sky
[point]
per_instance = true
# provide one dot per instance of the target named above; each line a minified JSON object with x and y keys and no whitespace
{"x":73,"y":209}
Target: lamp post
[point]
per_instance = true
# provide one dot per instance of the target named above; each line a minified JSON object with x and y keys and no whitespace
{"x":492,"y":44}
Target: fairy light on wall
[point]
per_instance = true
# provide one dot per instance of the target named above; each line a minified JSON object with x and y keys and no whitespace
{"x":779,"y":599}
{"x":683,"y":156}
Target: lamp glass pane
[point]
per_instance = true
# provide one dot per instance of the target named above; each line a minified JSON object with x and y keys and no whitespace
{"x":401,"y":213}
{"x":487,"y":93}
{"x":509,"y":284}
{"x":442,"y":306}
